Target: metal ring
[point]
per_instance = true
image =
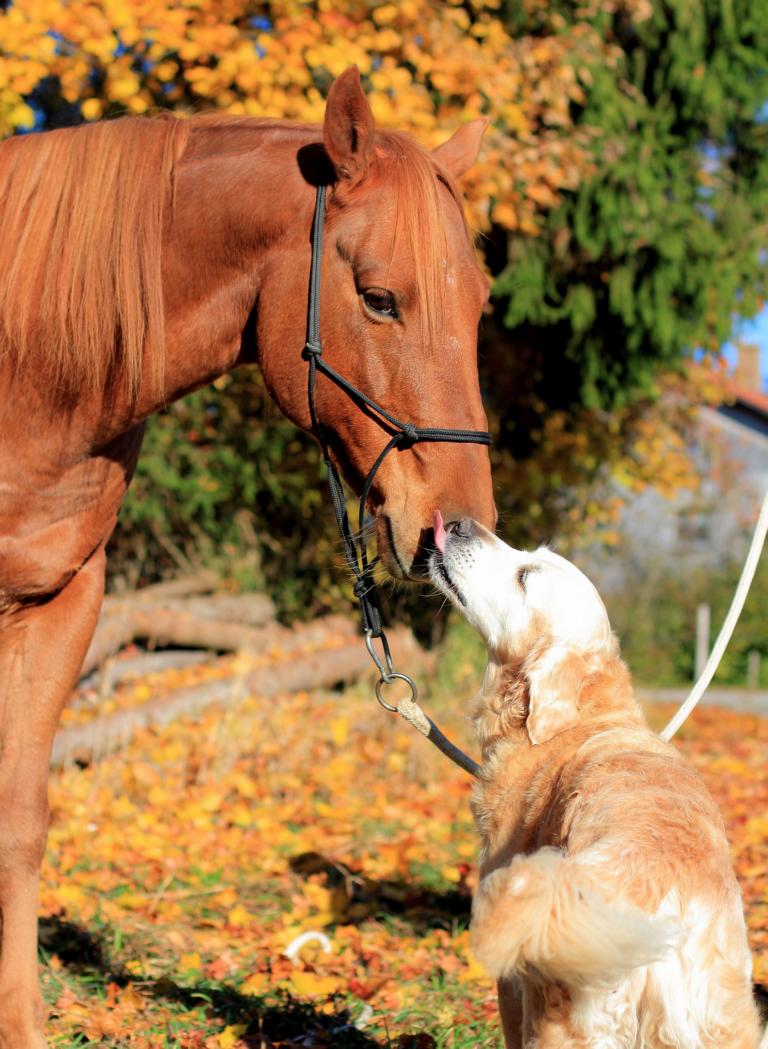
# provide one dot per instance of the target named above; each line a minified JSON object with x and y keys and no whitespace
{"x":395,"y":676}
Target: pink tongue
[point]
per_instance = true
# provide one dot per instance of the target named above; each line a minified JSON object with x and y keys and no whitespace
{"x":439,"y":532}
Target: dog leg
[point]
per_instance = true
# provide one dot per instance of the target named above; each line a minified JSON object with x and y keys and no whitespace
{"x":511,"y":1012}
{"x":41,"y":651}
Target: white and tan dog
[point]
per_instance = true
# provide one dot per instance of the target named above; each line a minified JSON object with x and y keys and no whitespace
{"x":607,"y":907}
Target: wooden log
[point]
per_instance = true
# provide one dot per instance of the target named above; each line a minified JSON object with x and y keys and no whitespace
{"x":320,"y":669}
{"x":202,"y":582}
{"x":169,"y":626}
{"x":246,"y":609}
{"x":164,"y":627}
{"x":115,"y":672}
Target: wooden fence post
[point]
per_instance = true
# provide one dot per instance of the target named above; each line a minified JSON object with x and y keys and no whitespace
{"x":702,"y":640}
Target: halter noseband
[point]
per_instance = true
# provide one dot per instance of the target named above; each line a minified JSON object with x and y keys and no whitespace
{"x":402,"y":435}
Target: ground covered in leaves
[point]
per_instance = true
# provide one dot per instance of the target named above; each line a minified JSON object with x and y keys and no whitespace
{"x":181,"y":870}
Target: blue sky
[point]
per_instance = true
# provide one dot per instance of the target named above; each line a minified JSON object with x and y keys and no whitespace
{"x":755,"y":332}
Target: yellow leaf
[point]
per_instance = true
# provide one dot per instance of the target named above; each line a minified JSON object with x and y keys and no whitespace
{"x":91,"y":108}
{"x":22,"y":115}
{"x":239,"y":916}
{"x":385,"y":14}
{"x":190,"y":963}
{"x":243,"y":784}
{"x":132,"y":999}
{"x":225,"y":898}
{"x":311,"y":985}
{"x":339,"y":731}
{"x":474,"y":970}
{"x":166,"y":71}
{"x":395,"y":762}
{"x":257,"y":983}
{"x":120,"y":89}
{"x":131,"y":901}
{"x":230,"y":1036}
{"x":505,"y":215}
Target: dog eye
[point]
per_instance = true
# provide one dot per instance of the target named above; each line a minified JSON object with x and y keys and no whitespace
{"x":522,"y":575}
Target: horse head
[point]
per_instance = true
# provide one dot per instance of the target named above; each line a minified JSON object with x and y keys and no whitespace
{"x":401,"y":298}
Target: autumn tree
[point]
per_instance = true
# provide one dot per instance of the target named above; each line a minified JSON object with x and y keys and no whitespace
{"x":648,"y":258}
{"x":654,"y":251}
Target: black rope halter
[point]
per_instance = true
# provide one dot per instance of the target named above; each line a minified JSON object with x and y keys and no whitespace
{"x":402,"y":435}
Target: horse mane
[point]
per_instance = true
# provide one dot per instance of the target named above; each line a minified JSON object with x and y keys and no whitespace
{"x":415,"y":176}
{"x":82,"y":212}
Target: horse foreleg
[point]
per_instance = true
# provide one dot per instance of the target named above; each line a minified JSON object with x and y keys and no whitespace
{"x":41,"y":651}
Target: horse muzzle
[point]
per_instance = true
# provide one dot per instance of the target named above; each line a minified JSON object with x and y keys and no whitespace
{"x":404,"y":546}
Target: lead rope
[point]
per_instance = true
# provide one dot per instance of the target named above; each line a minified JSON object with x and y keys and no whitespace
{"x":729,"y":624}
{"x":402,"y":435}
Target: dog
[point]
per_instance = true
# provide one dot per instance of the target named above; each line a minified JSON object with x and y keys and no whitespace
{"x":607,"y":908}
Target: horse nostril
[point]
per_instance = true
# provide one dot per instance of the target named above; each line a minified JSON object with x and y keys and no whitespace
{"x":462,"y":529}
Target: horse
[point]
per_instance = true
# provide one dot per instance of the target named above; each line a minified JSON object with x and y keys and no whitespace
{"x":144,"y":257}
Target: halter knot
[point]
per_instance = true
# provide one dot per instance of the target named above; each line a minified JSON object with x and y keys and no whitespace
{"x":410,"y":435}
{"x":312,"y":349}
{"x":361,"y":588}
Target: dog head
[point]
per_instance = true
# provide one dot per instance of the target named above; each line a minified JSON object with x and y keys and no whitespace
{"x":545,"y":625}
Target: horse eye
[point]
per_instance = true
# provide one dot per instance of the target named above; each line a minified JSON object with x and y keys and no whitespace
{"x":380,"y":301}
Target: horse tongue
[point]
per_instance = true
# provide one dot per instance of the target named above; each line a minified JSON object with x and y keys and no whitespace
{"x":439,"y":532}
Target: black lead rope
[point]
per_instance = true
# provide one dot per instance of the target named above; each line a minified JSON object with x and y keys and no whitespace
{"x":402,"y":435}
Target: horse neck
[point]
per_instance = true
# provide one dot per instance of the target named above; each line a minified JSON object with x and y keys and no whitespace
{"x":240,"y":206}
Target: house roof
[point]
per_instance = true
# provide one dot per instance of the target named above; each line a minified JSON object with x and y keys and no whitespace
{"x":744,"y":404}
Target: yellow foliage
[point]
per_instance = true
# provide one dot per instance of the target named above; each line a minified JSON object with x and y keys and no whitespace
{"x":215,"y":905}
{"x":429,"y":67}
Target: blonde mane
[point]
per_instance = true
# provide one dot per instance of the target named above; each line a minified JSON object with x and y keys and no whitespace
{"x":82,"y":212}
{"x":415,"y":176}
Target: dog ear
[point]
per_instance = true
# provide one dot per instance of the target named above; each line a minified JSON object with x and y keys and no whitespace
{"x":554,"y":680}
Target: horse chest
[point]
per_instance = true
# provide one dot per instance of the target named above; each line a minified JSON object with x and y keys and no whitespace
{"x":51,"y":521}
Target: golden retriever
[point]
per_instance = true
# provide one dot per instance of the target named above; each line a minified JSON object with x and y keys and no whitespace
{"x":607,"y":908}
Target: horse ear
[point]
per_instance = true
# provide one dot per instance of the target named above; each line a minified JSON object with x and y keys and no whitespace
{"x":459,"y":153}
{"x":348,"y":127}
{"x":554,"y":681}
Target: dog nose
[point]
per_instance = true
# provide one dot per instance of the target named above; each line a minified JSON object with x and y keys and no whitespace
{"x":462,"y":529}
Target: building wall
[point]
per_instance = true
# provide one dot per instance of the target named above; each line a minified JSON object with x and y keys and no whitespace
{"x":702,"y":529}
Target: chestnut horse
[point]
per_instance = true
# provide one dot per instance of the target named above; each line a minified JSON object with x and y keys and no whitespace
{"x":142,"y":258}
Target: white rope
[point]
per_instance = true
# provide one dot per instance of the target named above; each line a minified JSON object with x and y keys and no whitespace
{"x":293,"y":948}
{"x":414,"y":715}
{"x":739,"y":597}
